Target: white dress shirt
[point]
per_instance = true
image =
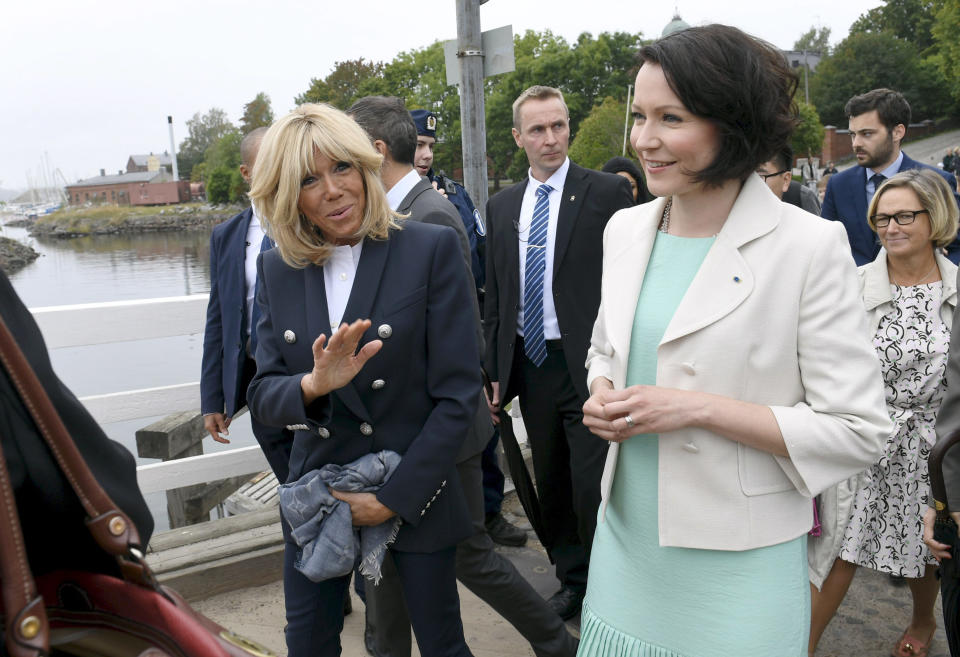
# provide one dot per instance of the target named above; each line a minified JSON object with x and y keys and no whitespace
{"x":338,"y":274}
{"x":401,"y":188}
{"x":551,"y":329}
{"x":254,"y":240}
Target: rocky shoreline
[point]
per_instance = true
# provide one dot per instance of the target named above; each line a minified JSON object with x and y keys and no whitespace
{"x":97,"y":222}
{"x":15,"y":255}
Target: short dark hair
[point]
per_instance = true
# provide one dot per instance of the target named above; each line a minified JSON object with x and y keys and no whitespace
{"x":783,"y":158}
{"x":628,"y":166}
{"x":743,"y":85}
{"x":386,"y":118}
{"x":892,"y":108}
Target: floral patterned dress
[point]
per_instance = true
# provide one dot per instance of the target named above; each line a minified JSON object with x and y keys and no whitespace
{"x":885,"y":531}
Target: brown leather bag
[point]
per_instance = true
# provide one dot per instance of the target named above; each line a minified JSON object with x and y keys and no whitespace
{"x":90,"y":614}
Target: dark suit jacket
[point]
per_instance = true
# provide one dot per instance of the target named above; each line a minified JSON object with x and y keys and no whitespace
{"x":424,"y":204}
{"x":225,"y":335}
{"x":589,"y":200}
{"x":846,"y":202}
{"x":428,"y":367}
{"x":50,"y":514}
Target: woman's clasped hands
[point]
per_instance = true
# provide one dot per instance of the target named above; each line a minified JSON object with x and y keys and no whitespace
{"x":616,"y":415}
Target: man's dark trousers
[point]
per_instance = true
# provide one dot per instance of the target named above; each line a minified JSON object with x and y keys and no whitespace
{"x":567,"y":459}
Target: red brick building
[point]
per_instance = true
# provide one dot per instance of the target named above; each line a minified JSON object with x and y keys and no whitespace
{"x":139,"y":188}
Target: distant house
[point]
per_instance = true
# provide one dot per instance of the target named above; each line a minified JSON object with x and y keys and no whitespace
{"x":138,"y":188}
{"x":149,"y":162}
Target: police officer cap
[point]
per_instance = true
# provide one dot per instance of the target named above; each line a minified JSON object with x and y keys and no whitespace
{"x":426,"y":122}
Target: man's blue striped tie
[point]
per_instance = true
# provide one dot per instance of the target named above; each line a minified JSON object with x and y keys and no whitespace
{"x":534,"y":344}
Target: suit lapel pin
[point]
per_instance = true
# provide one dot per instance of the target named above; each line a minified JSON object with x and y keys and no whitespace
{"x":573,"y":198}
{"x":289,"y":336}
{"x":384,"y":331}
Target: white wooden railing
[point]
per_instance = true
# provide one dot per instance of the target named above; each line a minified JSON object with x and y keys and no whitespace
{"x":143,"y":319}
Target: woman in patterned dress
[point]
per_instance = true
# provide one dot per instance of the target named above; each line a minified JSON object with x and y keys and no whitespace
{"x":909,"y":292}
{"x":713,"y":369}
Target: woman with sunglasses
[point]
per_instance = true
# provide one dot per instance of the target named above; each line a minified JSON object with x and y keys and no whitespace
{"x":910,"y":294}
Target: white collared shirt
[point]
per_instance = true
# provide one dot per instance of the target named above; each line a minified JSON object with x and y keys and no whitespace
{"x":254,"y":240}
{"x":551,"y":328}
{"x":338,"y":275}
{"x":889,"y":172}
{"x":401,"y":188}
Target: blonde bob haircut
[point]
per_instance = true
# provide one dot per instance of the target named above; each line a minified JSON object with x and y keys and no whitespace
{"x":935,"y":196}
{"x":287,"y":156}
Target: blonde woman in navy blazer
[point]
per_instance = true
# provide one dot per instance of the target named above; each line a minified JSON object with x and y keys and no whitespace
{"x":412,"y":388}
{"x":755,"y":390}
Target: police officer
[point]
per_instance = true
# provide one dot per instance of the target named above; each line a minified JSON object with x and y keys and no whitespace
{"x":500,"y":530}
{"x":472,"y":222}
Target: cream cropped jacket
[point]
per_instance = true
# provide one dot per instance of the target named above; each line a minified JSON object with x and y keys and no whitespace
{"x":772,"y":317}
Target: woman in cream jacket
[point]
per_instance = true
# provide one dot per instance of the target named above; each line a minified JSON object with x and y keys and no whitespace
{"x":728,"y":367}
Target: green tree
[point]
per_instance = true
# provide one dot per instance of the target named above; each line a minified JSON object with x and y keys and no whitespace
{"x":591,"y":70}
{"x":600,"y":136}
{"x":945,"y":30}
{"x":816,"y":39}
{"x":225,"y":152}
{"x":868,"y":60}
{"x":198,"y":173}
{"x":807,"y":138}
{"x":203,"y":130}
{"x":238,"y":187}
{"x":911,"y":20}
{"x":340,"y":86}
{"x":419,"y":78}
{"x":256,"y":114}
{"x":218,"y":185}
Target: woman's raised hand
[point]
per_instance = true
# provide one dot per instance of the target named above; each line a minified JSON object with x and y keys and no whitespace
{"x":336,"y":361}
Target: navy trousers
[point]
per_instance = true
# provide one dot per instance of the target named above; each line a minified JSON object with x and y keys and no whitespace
{"x":315,"y":609}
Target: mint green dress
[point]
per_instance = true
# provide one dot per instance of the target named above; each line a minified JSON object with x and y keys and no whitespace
{"x":644,"y":600}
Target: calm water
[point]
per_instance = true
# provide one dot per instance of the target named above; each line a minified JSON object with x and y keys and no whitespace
{"x":116,"y":268}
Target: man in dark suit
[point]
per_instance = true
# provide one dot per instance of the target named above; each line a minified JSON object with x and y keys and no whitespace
{"x":878,"y":123}
{"x":544,"y":252}
{"x":228,"y":364}
{"x":499,"y":529}
{"x":485,"y":572}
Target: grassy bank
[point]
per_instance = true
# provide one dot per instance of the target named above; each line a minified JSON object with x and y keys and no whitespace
{"x":107,"y":219}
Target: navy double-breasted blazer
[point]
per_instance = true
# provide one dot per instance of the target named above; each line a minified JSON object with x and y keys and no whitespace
{"x":416,"y":397}
{"x":846,"y":201}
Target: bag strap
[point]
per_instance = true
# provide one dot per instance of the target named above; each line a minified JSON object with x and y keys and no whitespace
{"x":110,"y":527}
{"x":27,"y":632}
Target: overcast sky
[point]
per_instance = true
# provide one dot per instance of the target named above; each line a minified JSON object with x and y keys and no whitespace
{"x":86,"y":84}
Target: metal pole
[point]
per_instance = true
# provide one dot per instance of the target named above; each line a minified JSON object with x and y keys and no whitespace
{"x":626,"y":121}
{"x":806,"y":83}
{"x":472,"y":114}
{"x":173,"y":150}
